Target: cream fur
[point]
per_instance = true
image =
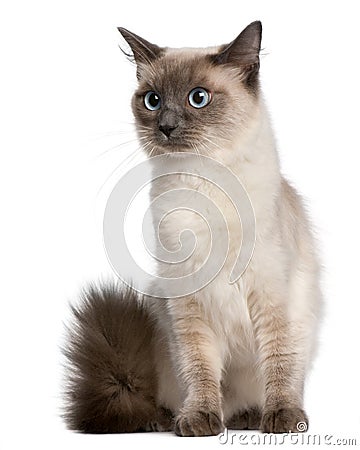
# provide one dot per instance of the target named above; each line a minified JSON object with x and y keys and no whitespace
{"x":233,"y":347}
{"x":283,"y":271}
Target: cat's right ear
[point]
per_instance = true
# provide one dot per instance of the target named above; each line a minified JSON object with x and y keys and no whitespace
{"x":144,"y":52}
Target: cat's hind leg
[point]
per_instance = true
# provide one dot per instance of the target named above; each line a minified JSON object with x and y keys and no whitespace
{"x":243,"y":393}
{"x":248,"y":419}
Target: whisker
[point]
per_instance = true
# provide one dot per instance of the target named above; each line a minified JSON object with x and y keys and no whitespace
{"x":128,"y":159}
{"x":116,"y":147}
{"x":211,"y":142}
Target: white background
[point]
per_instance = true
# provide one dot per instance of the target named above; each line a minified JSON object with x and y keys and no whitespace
{"x":65,"y":93}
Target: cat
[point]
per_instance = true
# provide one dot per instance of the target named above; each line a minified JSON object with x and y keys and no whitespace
{"x":230,"y":355}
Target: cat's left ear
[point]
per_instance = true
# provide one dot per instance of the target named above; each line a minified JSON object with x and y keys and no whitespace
{"x":243,"y":52}
{"x":144,"y":52}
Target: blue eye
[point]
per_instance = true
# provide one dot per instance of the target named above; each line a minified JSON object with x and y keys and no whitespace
{"x":199,"y":97}
{"x":152,"y":101}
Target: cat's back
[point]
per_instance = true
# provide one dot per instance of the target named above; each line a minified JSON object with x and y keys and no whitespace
{"x":294,"y":221}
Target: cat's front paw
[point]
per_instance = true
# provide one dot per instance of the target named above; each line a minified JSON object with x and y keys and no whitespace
{"x":198,"y":423}
{"x":284,"y":420}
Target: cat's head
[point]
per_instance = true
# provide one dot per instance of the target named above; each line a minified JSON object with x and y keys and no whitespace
{"x":198,"y":100}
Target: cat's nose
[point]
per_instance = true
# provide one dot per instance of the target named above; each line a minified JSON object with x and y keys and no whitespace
{"x":167,"y":129}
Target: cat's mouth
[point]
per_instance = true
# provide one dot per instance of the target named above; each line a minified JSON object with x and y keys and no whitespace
{"x":157,"y":143}
{"x":176,"y":143}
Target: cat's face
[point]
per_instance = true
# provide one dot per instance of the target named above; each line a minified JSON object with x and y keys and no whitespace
{"x":196,"y":100}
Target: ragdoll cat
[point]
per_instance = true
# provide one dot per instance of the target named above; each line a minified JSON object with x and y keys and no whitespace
{"x":231,"y":355}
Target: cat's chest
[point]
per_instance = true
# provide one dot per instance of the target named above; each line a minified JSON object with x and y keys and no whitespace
{"x":194,"y":210}
{"x":188,"y":225}
{"x":225,"y":308}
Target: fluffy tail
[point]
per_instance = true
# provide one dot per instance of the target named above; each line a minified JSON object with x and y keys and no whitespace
{"x":110,"y":381}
